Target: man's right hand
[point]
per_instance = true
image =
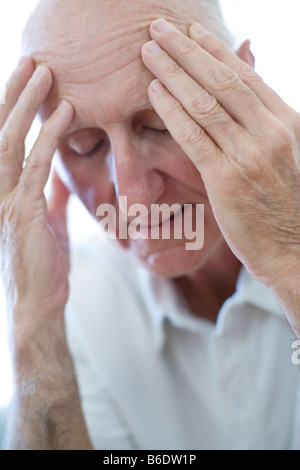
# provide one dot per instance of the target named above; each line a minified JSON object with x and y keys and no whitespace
{"x":33,"y":235}
{"x":45,"y":408}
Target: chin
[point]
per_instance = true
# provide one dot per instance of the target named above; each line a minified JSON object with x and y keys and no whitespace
{"x":173,"y":262}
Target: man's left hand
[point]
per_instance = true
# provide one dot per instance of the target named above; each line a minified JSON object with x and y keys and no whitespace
{"x":244,"y":141}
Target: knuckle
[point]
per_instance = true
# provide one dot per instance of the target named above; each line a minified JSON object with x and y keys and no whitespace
{"x":218,"y":50}
{"x":295,"y":122}
{"x":173,"y":71}
{"x":248,"y":74}
{"x":192,"y":134}
{"x":32,"y":162}
{"x":224,"y":79}
{"x":173,"y":110}
{"x":187,"y":48}
{"x":203,"y":104}
{"x":282,"y":139}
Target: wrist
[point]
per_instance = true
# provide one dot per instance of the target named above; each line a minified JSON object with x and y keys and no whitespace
{"x":36,"y":340}
{"x":286,"y":288}
{"x":29,"y":318}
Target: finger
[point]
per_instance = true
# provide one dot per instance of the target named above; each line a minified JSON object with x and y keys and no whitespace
{"x":57,"y":209}
{"x":216,"y":48}
{"x":214,"y":76}
{"x":16,"y":127}
{"x":58,"y":197}
{"x":193,"y":140}
{"x":15,"y":86}
{"x":38,"y":165}
{"x":199,"y":104}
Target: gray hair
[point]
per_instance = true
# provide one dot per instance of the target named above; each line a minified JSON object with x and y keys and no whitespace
{"x":214,"y":22}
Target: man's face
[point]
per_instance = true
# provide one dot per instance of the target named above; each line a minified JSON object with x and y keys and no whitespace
{"x":117,"y":145}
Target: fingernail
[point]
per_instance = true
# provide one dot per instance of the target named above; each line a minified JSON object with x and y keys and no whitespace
{"x":63,"y":106}
{"x":161,"y":26}
{"x":199,"y":29}
{"x":38,"y":72}
{"x":152,"y":47}
{"x":157,"y":86}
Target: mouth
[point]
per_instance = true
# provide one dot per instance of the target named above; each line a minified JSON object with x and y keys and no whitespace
{"x":167,"y":220}
{"x":164,"y":219}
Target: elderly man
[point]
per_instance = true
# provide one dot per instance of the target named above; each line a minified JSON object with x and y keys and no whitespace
{"x":189,"y":348}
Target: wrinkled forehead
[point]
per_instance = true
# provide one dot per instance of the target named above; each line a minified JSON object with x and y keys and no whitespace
{"x":92,"y":42}
{"x":73,"y":29}
{"x":76,"y":30}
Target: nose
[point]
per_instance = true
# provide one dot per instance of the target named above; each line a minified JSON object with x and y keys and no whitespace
{"x":136,"y":173}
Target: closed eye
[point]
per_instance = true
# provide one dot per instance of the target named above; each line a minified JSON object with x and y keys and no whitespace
{"x":98,"y":147}
{"x":158,"y":131}
{"x":93,"y":151}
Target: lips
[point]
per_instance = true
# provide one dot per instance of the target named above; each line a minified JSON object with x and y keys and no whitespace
{"x":165,"y":220}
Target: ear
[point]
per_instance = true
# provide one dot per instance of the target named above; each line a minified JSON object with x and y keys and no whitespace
{"x":245,"y":54}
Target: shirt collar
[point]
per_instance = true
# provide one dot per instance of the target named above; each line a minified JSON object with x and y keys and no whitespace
{"x":164,"y":303}
{"x":251,"y":291}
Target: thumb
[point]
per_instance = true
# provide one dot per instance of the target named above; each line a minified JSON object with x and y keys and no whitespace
{"x":58,"y":197}
{"x":57,"y":207}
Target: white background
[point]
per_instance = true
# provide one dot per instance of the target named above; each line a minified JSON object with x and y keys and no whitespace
{"x":273,"y":26}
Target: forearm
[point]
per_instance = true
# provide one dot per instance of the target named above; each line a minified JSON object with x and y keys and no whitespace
{"x":46,"y":410}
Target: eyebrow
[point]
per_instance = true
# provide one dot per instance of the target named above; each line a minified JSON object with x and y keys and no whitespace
{"x":77,"y":125}
{"x":144,"y":105}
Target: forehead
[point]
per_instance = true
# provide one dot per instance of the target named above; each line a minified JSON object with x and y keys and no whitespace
{"x":93,"y":50}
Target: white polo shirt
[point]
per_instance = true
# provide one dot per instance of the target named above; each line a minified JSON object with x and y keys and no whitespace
{"x":153,"y":376}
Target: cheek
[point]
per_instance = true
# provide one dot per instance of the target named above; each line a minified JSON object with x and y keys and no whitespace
{"x":175,"y":164}
{"x":87,"y":179}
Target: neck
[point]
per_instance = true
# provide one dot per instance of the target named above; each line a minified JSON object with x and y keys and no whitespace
{"x":207,"y":289}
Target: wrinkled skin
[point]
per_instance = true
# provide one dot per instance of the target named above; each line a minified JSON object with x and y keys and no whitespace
{"x":107,"y":84}
{"x":117,"y":145}
{"x":218,"y":136}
